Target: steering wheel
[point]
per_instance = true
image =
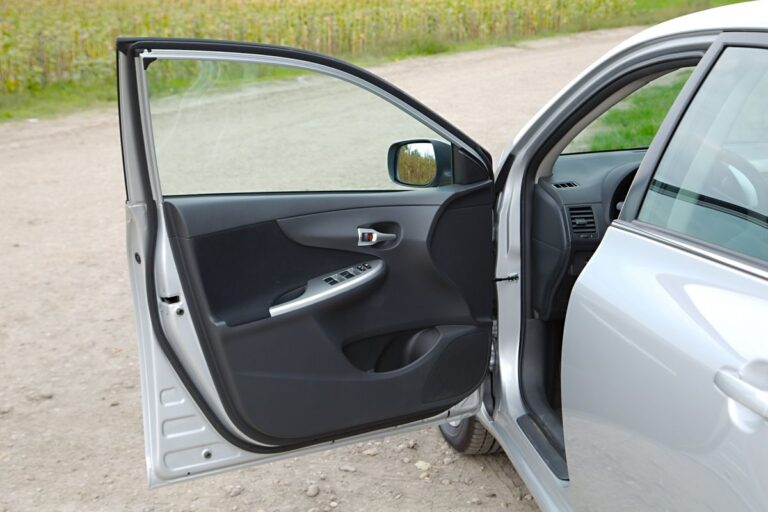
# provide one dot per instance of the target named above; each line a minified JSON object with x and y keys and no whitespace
{"x":619,"y":194}
{"x":737,"y":180}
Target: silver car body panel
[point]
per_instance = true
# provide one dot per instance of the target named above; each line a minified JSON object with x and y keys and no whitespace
{"x":646,"y":426}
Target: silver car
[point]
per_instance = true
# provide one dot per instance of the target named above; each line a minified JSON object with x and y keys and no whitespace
{"x":318,"y":259}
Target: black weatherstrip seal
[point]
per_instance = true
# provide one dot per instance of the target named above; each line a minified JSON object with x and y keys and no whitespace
{"x":130,"y":47}
{"x":713,"y":203}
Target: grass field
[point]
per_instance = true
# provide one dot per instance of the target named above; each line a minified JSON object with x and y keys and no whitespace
{"x":633,"y":122}
{"x":58,"y":55}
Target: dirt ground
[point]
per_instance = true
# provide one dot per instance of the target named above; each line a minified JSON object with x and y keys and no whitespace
{"x":70,"y":413}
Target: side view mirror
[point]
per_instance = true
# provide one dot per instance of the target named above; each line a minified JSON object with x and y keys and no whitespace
{"x":420,"y":163}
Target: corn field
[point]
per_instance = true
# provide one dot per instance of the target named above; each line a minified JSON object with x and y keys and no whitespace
{"x":47,"y":42}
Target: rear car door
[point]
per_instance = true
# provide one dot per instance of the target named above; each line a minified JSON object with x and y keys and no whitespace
{"x":665,"y":357}
{"x":310,"y":252}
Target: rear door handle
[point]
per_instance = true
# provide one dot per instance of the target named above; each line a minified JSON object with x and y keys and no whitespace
{"x":733,"y":386}
{"x":368,"y":236}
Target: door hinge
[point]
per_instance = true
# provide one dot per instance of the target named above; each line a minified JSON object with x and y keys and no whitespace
{"x":511,"y":277}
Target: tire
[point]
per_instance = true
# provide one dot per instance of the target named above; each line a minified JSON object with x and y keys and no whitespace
{"x":469,"y":437}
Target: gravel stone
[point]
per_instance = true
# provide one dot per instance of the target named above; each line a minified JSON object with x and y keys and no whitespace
{"x":422,"y":465}
{"x":234,"y":490}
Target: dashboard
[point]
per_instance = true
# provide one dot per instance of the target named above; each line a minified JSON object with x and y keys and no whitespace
{"x":572,"y":209}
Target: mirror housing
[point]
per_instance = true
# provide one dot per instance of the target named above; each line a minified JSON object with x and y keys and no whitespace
{"x":420,"y":163}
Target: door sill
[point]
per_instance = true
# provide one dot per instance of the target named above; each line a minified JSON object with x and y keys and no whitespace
{"x":553,"y":459}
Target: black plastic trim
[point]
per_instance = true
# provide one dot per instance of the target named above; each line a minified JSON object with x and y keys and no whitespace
{"x":552,"y":458}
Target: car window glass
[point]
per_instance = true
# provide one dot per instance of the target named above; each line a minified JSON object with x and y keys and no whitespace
{"x":230,"y":127}
{"x":712,"y":182}
{"x":633,"y":121}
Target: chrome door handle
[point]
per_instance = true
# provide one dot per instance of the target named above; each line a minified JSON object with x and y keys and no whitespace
{"x":731,"y":384}
{"x":368,"y":236}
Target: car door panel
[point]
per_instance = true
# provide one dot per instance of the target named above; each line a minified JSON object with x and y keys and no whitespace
{"x":636,"y":437}
{"x":249,"y":348}
{"x":327,"y":360}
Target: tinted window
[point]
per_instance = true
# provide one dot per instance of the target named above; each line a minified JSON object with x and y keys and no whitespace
{"x":712,"y":182}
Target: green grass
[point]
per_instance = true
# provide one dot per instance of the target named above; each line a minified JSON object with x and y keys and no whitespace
{"x":57,"y":55}
{"x":633,"y":122}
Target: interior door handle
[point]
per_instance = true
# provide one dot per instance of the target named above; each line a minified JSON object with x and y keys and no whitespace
{"x":368,"y":236}
{"x":733,"y":386}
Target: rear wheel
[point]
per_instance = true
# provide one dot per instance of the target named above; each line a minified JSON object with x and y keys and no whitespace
{"x":469,"y":436}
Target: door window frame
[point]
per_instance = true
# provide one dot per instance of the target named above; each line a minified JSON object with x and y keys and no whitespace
{"x":628,"y":219}
{"x":362,"y":79}
{"x":145,"y":51}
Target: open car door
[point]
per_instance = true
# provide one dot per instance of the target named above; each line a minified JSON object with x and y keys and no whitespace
{"x":310,"y":253}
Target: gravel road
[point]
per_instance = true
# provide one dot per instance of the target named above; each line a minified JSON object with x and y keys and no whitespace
{"x":70,"y":415}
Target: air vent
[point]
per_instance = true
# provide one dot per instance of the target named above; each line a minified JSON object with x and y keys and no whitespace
{"x":582,"y":221}
{"x":565,"y":184}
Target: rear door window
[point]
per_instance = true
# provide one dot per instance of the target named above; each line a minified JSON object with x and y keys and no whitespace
{"x":712,"y":181}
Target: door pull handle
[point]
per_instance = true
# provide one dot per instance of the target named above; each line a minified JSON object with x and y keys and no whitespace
{"x":368,"y":236}
{"x":733,"y":386}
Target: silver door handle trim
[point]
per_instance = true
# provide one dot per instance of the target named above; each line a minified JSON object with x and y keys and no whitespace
{"x":318,"y":289}
{"x":368,"y":236}
{"x":731,"y":384}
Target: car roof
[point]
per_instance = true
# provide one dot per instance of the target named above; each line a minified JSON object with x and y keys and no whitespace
{"x":744,"y":16}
